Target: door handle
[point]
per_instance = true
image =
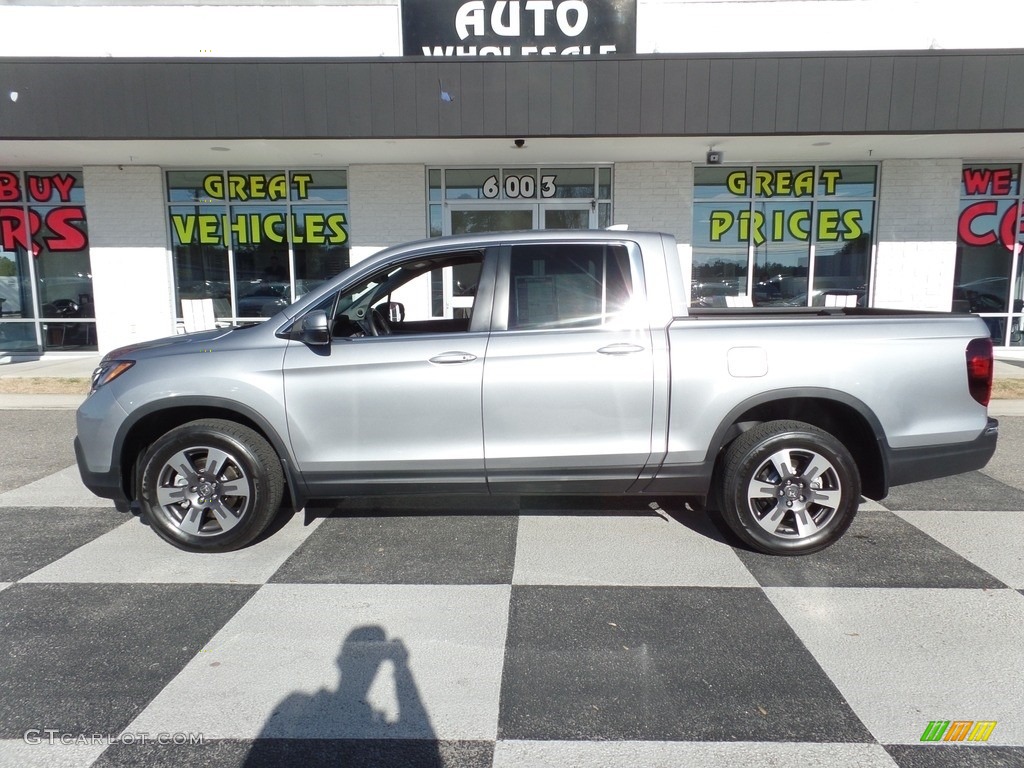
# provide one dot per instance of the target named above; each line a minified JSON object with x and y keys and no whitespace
{"x":621,"y":348}
{"x":450,"y":358}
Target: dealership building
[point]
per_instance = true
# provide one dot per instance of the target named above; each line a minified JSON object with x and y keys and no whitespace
{"x":167,"y":166}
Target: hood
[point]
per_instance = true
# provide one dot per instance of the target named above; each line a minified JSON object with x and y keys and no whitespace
{"x":176,"y":342}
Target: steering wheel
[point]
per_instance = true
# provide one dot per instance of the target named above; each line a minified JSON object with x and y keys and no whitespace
{"x":375,"y":323}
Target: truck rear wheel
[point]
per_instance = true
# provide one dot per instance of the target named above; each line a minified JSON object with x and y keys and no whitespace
{"x":788,"y":488}
{"x":210,"y":485}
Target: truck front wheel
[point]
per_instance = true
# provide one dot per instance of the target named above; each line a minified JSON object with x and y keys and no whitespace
{"x":210,"y":485}
{"x":788,"y":488}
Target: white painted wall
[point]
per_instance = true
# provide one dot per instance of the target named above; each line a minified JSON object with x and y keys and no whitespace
{"x":916,"y":234}
{"x":733,"y":26}
{"x":373,"y":27}
{"x":129,"y":254}
{"x":215,"y":31}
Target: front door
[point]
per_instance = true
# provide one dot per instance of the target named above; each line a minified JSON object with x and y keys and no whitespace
{"x":395,"y":398}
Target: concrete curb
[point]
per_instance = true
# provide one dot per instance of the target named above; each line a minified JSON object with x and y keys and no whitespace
{"x":10,"y":402}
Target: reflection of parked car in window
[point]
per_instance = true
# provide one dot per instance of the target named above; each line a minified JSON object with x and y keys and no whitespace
{"x":986,"y":295}
{"x":833,"y":297}
{"x":703,"y":294}
{"x":265,"y":300}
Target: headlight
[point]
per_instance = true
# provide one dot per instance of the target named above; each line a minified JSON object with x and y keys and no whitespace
{"x":108,"y":371}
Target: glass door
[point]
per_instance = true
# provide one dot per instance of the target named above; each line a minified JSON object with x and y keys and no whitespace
{"x":465,"y":220}
{"x":568,"y":216}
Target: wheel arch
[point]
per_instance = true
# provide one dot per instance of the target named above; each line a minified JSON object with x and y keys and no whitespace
{"x":846,"y":418}
{"x":150,"y":422}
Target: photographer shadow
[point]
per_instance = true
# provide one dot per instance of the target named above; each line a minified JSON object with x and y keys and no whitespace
{"x":345,"y":726}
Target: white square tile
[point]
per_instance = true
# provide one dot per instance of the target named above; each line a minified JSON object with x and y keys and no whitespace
{"x":132,"y":553}
{"x":61,"y":489}
{"x":904,"y":657}
{"x":346,"y":661}
{"x":972,"y":534}
{"x":624,"y":550}
{"x":48,"y":752}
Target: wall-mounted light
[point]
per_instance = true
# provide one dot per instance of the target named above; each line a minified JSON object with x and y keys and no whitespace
{"x":519,"y":143}
{"x":13,"y":95}
{"x":715,"y":156}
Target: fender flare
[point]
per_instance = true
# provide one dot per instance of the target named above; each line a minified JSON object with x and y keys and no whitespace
{"x":296,"y":485}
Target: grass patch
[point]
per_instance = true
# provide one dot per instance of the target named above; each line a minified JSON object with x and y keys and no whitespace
{"x":1008,"y":389}
{"x":43,"y":385}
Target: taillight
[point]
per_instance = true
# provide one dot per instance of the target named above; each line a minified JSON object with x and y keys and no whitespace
{"x":979,"y":369}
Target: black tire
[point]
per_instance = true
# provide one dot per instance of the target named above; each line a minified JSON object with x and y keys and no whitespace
{"x":200,"y":510}
{"x":788,"y":488}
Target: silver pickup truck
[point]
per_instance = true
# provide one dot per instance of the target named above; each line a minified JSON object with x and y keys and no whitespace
{"x":537,"y":362}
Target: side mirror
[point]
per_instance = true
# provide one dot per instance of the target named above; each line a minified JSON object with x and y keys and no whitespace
{"x":395,"y":311}
{"x":314,"y":329}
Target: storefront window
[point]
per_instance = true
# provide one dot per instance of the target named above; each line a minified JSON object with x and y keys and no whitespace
{"x":988,"y":278}
{"x":254,"y":241}
{"x":46,"y":296}
{"x":766,"y":234}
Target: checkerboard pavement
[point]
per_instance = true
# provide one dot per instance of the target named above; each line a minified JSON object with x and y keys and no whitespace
{"x":510,"y":632}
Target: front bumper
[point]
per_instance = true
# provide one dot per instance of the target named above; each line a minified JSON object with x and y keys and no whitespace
{"x":106,"y":485}
{"x":912,"y":465}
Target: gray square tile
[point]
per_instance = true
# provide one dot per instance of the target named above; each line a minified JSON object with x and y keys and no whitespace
{"x":44,"y":439}
{"x":904,"y":657}
{"x":406,"y":549}
{"x":879,"y":550}
{"x":87,"y":658}
{"x":683,"y":754}
{"x":994,"y":541}
{"x":33,"y":538}
{"x":956,"y":756}
{"x":661,"y":663}
{"x":970,"y":491}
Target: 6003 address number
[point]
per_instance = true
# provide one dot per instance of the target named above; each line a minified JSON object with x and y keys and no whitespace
{"x":519,"y":186}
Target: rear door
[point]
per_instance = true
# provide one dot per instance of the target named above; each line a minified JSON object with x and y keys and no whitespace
{"x":568,"y":386}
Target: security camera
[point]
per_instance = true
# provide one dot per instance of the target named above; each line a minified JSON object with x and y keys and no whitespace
{"x":714,"y":157}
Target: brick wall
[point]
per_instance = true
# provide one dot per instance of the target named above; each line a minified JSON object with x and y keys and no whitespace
{"x":128,"y":248}
{"x":916,"y":234}
{"x":655,"y":196}
{"x":388,"y":206}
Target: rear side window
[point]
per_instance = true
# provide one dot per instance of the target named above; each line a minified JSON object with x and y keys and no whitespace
{"x":567,"y":285}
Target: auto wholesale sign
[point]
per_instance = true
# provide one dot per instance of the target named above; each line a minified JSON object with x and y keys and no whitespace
{"x":518,"y":28}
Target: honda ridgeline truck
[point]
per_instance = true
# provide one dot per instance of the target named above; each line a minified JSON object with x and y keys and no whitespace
{"x":537,"y":363}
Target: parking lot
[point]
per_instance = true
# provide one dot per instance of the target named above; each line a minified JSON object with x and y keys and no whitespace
{"x":508,"y":631}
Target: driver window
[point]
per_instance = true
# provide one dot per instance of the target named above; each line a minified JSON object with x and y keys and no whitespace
{"x":432,"y":295}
